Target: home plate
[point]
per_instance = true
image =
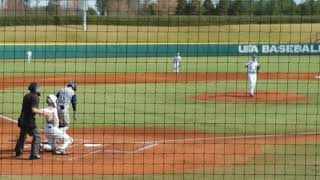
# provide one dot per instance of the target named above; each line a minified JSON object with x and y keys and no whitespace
{"x":317,"y":77}
{"x":92,"y":145}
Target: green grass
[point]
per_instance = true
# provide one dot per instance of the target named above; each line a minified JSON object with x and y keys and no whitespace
{"x":171,"y":106}
{"x":271,"y":64}
{"x":282,"y":162}
{"x":246,"y":33}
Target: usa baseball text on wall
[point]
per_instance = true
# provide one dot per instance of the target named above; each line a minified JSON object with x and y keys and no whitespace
{"x":280,"y":49}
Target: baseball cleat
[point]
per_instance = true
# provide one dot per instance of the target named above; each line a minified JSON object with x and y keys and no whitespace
{"x":61,"y":152}
{"x":47,"y":148}
{"x":19,"y":156}
{"x":71,"y":141}
{"x":35,"y":157}
{"x":41,"y":148}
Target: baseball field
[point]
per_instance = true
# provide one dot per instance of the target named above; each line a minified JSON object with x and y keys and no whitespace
{"x":138,"y":120}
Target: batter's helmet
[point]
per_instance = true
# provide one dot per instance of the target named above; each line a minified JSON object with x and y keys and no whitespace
{"x":73,"y":85}
{"x":33,"y":87}
{"x":52,"y":99}
{"x":254,"y":55}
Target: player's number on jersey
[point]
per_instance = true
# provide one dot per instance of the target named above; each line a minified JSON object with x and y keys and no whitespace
{"x":64,"y":97}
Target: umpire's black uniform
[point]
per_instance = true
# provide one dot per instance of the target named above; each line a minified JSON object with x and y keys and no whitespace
{"x":27,"y":123}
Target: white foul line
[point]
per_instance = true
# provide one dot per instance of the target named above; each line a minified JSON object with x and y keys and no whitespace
{"x":145,"y":148}
{"x":233,"y":137}
{"x":101,"y":149}
{"x":8,"y":119}
{"x":132,"y":152}
{"x":85,"y":155}
{"x":168,"y":141}
{"x":14,"y":121}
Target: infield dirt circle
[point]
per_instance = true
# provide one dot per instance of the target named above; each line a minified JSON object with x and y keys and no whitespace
{"x":134,"y":151}
{"x":259,"y":97}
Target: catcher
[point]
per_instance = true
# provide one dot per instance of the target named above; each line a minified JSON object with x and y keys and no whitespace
{"x":52,"y":131}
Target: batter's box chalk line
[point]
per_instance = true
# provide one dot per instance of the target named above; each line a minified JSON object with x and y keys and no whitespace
{"x":108,"y":149}
{"x":92,"y":145}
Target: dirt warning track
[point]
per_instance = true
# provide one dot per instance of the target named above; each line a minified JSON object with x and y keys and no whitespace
{"x":133,"y":78}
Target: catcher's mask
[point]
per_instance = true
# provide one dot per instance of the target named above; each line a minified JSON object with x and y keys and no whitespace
{"x":52,"y":99}
{"x":34,"y":87}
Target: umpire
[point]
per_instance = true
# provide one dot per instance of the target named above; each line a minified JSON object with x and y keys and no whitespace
{"x":27,"y":122}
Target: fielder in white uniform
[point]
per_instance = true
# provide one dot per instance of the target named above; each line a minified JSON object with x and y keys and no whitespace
{"x":29,"y":56}
{"x":176,"y":63}
{"x":52,"y":131}
{"x":66,"y":96}
{"x":252,"y":69}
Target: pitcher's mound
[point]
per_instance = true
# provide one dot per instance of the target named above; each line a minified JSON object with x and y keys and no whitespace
{"x":260,"y":97}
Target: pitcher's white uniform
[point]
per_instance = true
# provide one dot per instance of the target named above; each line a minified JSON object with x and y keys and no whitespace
{"x":176,"y":63}
{"x":252,"y":69}
{"x":52,"y":131}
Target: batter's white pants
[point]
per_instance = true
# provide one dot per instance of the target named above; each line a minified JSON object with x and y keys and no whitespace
{"x":176,"y":67}
{"x":252,"y":77}
{"x":54,"y":135}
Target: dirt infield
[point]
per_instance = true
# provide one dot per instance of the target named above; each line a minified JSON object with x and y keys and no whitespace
{"x":125,"y":151}
{"x":140,"y":151}
{"x":260,"y":97}
{"x":129,"y":78}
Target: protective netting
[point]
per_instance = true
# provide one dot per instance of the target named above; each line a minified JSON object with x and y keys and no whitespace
{"x":159,"y":89}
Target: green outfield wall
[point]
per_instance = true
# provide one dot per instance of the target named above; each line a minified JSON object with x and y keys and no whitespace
{"x":152,"y":50}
